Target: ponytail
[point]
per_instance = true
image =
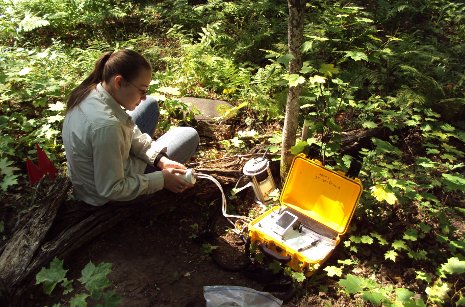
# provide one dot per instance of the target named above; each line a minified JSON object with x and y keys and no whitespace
{"x":83,"y":89}
{"x":126,"y":63}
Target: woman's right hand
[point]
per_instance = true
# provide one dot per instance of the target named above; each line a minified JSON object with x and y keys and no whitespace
{"x":173,"y":182}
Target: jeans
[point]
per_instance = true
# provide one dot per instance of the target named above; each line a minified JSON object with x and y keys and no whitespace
{"x":181,"y":142}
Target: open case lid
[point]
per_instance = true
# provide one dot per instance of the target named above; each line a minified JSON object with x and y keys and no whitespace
{"x":325,"y":196}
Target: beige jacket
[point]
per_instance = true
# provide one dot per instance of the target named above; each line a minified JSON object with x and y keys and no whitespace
{"x":106,"y":152}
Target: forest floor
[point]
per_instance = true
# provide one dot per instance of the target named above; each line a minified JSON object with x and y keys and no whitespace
{"x":163,"y":257}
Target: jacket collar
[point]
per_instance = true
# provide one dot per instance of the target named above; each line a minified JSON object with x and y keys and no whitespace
{"x":117,"y":109}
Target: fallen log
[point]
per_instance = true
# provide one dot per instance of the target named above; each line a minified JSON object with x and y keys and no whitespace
{"x":56,"y":227}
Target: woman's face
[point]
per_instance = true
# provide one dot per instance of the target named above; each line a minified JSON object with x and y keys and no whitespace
{"x":130,"y":93}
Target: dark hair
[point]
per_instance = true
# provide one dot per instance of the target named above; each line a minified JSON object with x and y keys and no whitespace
{"x":126,"y":63}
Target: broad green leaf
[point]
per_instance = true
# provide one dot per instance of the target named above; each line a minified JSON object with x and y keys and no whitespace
{"x":423,"y":276}
{"x":375,"y":296}
{"x":51,"y":276}
{"x":298,"y":276}
{"x":367,"y":240}
{"x":380,"y":193}
{"x":299,"y":147}
{"x":410,"y":235}
{"x":385,"y":147}
{"x":460,"y":302}
{"x":346,"y":262}
{"x":454,"y":181}
{"x":381,"y":240}
{"x":356,"y":55}
{"x":333,"y":271}
{"x":369,"y":125}
{"x":391,"y":255}
{"x":275,"y":139}
{"x":307,"y":46}
{"x":438,"y":292}
{"x":79,"y":300}
{"x":306,"y":68}
{"x":111,"y":299}
{"x":295,"y":79}
{"x":285,"y":59}
{"x":404,"y":295}
{"x":454,"y":266}
{"x":55,"y":118}
{"x":352,"y":284}
{"x":58,"y":107}
{"x":8,"y":181}
{"x":95,"y":277}
{"x":399,"y":245}
{"x":317,"y":79}
{"x":328,"y":69}
{"x":5,"y":167}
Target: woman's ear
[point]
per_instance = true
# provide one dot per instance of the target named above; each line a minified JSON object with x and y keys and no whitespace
{"x":118,"y":81}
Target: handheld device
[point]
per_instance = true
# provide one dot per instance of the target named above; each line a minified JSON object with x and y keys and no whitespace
{"x":188,"y":176}
{"x":284,"y":222}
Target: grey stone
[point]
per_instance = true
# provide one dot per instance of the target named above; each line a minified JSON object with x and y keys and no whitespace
{"x":209,"y":108}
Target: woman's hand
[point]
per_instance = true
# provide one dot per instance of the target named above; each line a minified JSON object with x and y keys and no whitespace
{"x":173,"y":182}
{"x":167,"y":163}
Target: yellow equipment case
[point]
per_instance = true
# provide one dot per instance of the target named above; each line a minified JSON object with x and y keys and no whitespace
{"x":316,"y":206}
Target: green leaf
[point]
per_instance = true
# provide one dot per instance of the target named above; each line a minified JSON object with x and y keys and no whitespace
{"x":333,"y":271}
{"x":79,"y":300}
{"x":352,"y":284}
{"x":423,"y":276}
{"x":5,"y":167}
{"x":57,"y":107}
{"x":381,"y":240}
{"x":317,"y":79}
{"x":295,"y":79}
{"x":454,"y":266}
{"x":404,"y":295}
{"x":111,"y":299}
{"x":381,"y":193}
{"x":399,"y":245}
{"x":374,"y":296}
{"x":299,"y":147}
{"x":367,"y":240}
{"x":369,"y":125}
{"x":285,"y":59}
{"x":298,"y":276}
{"x":438,"y":292}
{"x":391,"y":255}
{"x":356,"y":55}
{"x":385,"y":147}
{"x":52,"y":276}
{"x":454,"y":181}
{"x":95,"y":277}
{"x":410,"y":234}
{"x":328,"y":69}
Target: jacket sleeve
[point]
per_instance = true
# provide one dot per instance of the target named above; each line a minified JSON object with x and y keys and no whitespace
{"x":109,"y":174}
{"x":144,"y":147}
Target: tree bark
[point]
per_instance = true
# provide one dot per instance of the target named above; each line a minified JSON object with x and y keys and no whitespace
{"x":295,"y":40}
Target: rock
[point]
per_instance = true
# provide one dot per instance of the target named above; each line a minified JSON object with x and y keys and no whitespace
{"x":209,"y":108}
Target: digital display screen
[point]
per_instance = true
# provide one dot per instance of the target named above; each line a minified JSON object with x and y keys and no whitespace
{"x":286,"y":220}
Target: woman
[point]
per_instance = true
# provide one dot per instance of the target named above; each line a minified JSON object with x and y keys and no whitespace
{"x":109,"y":158}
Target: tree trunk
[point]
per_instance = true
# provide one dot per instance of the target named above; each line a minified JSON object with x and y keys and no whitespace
{"x":295,"y":40}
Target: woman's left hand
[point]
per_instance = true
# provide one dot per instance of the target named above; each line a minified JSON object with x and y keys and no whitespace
{"x":165,"y":163}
